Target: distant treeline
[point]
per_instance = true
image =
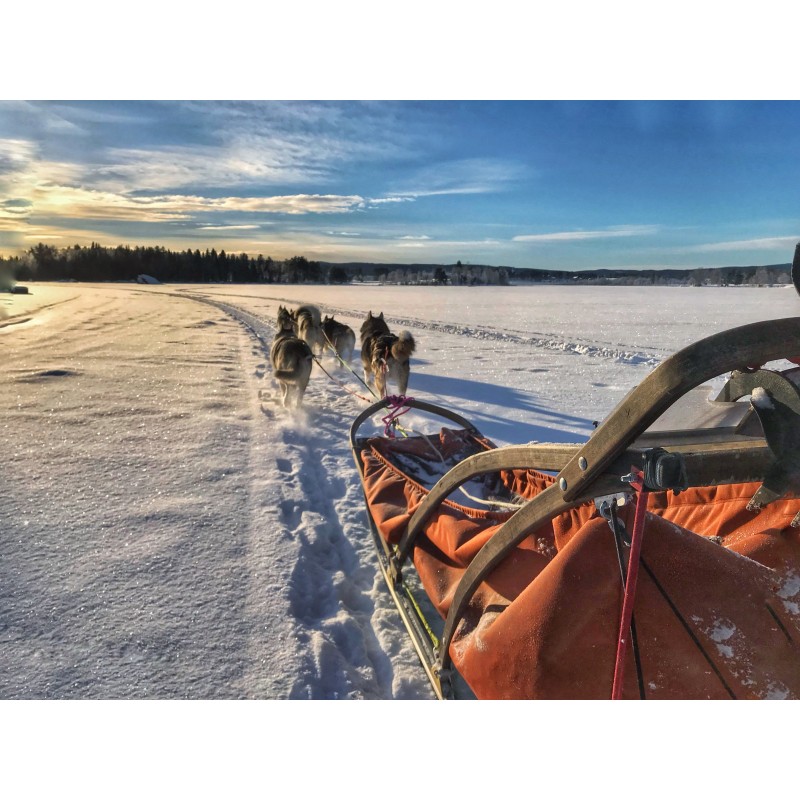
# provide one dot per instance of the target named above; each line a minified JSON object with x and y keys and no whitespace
{"x":95,"y":263}
{"x":459,"y":274}
{"x":700,"y":276}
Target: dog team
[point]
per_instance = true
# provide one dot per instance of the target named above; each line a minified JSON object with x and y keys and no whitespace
{"x":303,"y":336}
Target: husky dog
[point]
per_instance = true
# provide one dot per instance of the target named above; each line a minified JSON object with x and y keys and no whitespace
{"x":385,"y":355}
{"x":291,"y":360}
{"x":339,"y":338}
{"x":307,"y":326}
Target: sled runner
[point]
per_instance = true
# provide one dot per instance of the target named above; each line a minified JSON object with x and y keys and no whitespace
{"x":660,"y":559}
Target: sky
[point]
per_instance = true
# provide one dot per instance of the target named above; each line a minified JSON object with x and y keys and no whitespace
{"x":553,"y":184}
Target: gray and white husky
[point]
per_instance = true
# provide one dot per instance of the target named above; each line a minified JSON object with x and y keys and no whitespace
{"x":308,"y":327}
{"x":291,"y":359}
{"x":339,"y":338}
{"x":384,"y":355}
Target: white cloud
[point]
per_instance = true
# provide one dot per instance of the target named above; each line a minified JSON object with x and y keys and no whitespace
{"x":573,"y":236}
{"x":297,"y":144}
{"x":467,"y":176}
{"x":15,"y":155}
{"x":228,"y":227}
{"x":23,"y":173}
{"x":176,"y":167}
{"x":380,"y":200}
{"x":228,"y":144}
{"x":70,"y":202}
{"x":440,"y":245}
{"x":769,"y":243}
{"x":290,"y":204}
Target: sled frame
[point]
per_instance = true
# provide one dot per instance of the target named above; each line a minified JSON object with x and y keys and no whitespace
{"x":596,"y":468}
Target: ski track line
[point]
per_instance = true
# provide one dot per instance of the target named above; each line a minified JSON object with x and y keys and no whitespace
{"x":542,"y":341}
{"x":332,"y":578}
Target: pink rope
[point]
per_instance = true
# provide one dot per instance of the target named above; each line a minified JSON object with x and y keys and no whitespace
{"x":630,"y":585}
{"x":398,"y":405}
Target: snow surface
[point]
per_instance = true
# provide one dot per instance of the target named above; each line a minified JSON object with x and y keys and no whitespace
{"x":761,"y":399}
{"x":168,"y":531}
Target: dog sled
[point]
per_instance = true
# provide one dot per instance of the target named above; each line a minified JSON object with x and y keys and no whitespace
{"x":660,"y":559}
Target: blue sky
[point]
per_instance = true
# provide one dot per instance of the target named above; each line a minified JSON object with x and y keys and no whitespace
{"x":548,"y":184}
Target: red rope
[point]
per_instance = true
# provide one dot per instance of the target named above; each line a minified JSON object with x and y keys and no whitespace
{"x":630,"y":585}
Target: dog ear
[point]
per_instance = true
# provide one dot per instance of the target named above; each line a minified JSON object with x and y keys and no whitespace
{"x":380,"y":316}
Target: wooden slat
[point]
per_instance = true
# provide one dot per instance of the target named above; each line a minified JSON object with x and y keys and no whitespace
{"x":749,"y":344}
{"x":585,"y":476}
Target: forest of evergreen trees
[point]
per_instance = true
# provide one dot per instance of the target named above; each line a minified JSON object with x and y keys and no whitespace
{"x":95,"y":263}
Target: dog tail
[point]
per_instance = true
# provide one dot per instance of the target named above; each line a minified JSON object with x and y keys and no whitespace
{"x":300,"y":369}
{"x":404,"y":346}
{"x":310,"y":311}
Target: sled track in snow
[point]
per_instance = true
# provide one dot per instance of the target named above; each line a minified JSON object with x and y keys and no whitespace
{"x":262,"y":330}
{"x":541,"y":340}
{"x":341,"y":624}
{"x":333,"y":577}
{"x":544,"y":341}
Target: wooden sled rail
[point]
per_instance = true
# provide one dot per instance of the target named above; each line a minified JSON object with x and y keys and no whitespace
{"x":737,"y":460}
{"x":731,"y":350}
{"x":584,"y":476}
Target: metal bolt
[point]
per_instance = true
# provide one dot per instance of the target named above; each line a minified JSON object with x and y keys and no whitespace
{"x":562,"y":483}
{"x":582,"y":463}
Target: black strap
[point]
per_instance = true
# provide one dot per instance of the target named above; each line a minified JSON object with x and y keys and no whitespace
{"x":663,"y":470}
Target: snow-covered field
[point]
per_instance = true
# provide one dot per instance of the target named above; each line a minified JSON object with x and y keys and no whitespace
{"x":168,"y":531}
